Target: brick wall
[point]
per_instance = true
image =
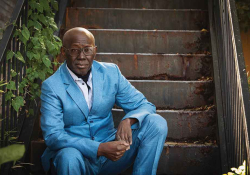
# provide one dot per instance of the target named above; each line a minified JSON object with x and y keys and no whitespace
{"x":6,"y":9}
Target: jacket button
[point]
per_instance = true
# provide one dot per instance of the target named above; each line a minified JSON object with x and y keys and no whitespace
{"x":93,"y":138}
{"x":91,"y":121}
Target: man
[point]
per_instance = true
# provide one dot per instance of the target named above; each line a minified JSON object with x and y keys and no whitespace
{"x":77,"y":122}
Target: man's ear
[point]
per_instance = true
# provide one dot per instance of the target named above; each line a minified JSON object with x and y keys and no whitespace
{"x":95,"y":51}
{"x":63,"y":51}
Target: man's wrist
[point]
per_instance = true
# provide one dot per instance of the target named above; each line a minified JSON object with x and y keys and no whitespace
{"x":99,"y":151}
{"x":131,"y":121}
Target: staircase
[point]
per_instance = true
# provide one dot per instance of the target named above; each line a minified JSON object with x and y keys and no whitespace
{"x":163,"y":48}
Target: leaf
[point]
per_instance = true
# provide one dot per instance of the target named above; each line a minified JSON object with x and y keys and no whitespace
{"x":54,"y":26}
{"x":37,"y":25}
{"x":9,"y":54}
{"x":26,"y":33}
{"x":46,"y":61}
{"x":50,"y":45}
{"x":37,"y":56}
{"x":9,"y":95}
{"x":57,"y":38}
{"x":45,"y":4}
{"x":19,"y":56}
{"x":42,"y":75}
{"x":11,"y":153}
{"x":17,"y":103}
{"x":30,"y":54}
{"x":29,"y":12}
{"x":31,"y":112}
{"x":30,"y":23}
{"x":43,"y":19}
{"x":11,"y":85}
{"x":55,"y":5}
{"x":13,"y":73}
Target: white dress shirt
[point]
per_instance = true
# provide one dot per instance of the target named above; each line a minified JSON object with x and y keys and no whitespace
{"x":82,"y":85}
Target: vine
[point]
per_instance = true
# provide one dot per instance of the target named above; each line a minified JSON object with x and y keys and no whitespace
{"x":39,"y":45}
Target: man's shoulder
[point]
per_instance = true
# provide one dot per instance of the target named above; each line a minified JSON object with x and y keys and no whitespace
{"x":55,"y":78}
{"x":105,"y":65}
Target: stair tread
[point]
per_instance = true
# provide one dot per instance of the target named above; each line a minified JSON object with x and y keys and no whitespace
{"x":152,"y":54}
{"x":173,"y":81}
{"x":186,"y":144}
{"x":136,"y":9}
{"x":175,"y":111}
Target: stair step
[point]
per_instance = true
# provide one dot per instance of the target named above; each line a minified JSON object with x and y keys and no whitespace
{"x":167,"y":66}
{"x":142,"y":19}
{"x":148,"y":41}
{"x":183,"y":125}
{"x":176,"y":158}
{"x":176,"y":94}
{"x":148,"y":4}
{"x":187,"y":159}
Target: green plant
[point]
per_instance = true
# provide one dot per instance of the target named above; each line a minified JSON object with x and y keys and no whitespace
{"x":11,"y":153}
{"x":243,"y":11}
{"x":39,"y":45}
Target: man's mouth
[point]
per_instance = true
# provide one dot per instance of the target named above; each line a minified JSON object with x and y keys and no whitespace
{"x":82,"y":66}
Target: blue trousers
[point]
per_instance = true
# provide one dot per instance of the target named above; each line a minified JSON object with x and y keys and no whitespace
{"x":148,"y":142}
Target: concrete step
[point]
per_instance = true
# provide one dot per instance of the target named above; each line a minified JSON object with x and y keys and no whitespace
{"x":187,"y":159}
{"x":149,"y":41}
{"x":176,"y":94}
{"x":165,"y":66}
{"x":183,"y":125}
{"x":176,"y":158}
{"x":142,"y":19}
{"x":148,"y":4}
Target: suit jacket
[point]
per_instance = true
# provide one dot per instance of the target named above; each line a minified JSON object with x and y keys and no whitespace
{"x":66,"y":120}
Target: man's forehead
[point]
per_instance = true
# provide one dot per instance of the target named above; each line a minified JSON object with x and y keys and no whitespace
{"x":78,"y":36}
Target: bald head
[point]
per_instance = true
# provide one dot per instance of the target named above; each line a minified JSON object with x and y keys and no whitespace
{"x":73,"y":34}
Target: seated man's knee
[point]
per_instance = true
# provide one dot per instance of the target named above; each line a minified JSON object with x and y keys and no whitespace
{"x":159,"y":123}
{"x":68,"y":158}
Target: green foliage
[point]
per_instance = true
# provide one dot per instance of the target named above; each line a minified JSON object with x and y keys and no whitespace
{"x":11,"y":153}
{"x":243,"y":11}
{"x":39,"y":45}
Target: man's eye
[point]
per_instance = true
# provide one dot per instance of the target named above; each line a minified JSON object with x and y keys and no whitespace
{"x":87,"y":49}
{"x":74,"y":50}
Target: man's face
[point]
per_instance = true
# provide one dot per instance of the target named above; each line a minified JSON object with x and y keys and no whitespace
{"x":77,"y":43}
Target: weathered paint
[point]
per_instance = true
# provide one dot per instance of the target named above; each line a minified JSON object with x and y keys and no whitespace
{"x":113,"y":18}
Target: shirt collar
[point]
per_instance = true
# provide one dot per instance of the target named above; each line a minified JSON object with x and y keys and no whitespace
{"x":75,"y":78}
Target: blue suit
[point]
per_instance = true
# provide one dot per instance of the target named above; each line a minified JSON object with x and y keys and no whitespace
{"x":71,"y":130}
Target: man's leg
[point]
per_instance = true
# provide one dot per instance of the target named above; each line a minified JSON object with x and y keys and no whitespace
{"x":69,"y":161}
{"x":148,"y":142}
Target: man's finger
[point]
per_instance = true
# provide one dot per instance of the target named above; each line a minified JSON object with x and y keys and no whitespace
{"x":130,"y":140}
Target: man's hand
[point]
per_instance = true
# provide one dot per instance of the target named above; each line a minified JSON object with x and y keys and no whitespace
{"x":124,"y":131}
{"x":112,"y":150}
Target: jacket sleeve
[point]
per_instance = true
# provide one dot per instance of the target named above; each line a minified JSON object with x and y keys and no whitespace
{"x":52,"y":125}
{"x":133,"y":102}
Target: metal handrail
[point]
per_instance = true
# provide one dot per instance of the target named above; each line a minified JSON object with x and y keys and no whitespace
{"x":232,"y":95}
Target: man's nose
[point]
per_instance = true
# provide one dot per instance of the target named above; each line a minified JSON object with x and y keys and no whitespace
{"x":81,"y":55}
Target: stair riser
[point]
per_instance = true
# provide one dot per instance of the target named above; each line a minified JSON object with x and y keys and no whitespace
{"x":183,"y":125}
{"x":174,"y":67}
{"x":148,"y":4}
{"x":176,"y":94}
{"x":136,"y":19}
{"x":189,"y":160}
{"x":173,"y":42}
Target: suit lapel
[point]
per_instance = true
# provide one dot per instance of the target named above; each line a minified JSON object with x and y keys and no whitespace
{"x":74,"y":91}
{"x":97,"y":81}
